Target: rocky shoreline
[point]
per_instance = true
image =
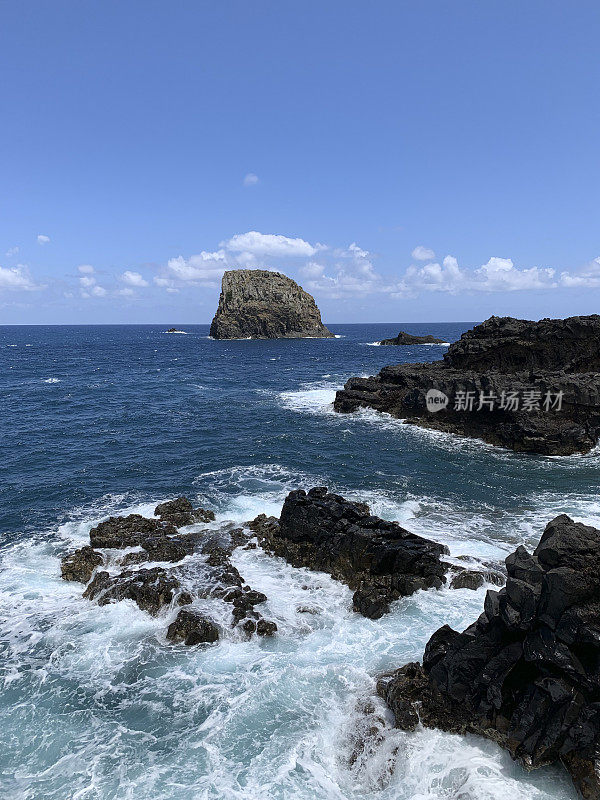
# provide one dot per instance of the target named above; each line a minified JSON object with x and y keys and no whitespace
{"x":528,"y":386}
{"x":525,"y":675}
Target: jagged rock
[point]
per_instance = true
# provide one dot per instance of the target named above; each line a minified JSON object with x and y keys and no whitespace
{"x":151,"y":589}
{"x":506,"y":344}
{"x":475,"y":579}
{"x":80,"y":565}
{"x":404,"y":338}
{"x":130,"y":531}
{"x":259,"y":304}
{"x":266,"y":627}
{"x":181,"y":512}
{"x":191,"y":627}
{"x":380,"y":560}
{"x":500,"y":359}
{"x":527,"y":673}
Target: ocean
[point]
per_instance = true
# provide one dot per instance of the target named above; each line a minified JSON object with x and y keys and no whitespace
{"x":95,"y":704}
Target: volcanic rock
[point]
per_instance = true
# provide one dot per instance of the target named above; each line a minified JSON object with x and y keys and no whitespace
{"x":404,"y":338}
{"x":549,"y":367}
{"x":130,"y":531}
{"x":181,"y":512}
{"x":151,"y":589}
{"x":527,"y":673}
{"x":380,"y":560}
{"x":191,"y":627}
{"x":80,"y":565}
{"x":258,"y":304}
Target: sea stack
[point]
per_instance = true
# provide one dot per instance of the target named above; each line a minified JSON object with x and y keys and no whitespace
{"x":259,"y":304}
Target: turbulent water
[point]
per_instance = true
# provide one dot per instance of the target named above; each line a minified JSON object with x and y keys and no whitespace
{"x":95,"y":704}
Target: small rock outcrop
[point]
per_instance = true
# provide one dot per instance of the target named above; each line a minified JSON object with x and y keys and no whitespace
{"x":80,"y":565}
{"x":527,"y":673}
{"x":191,"y":628}
{"x":258,"y":304}
{"x":379,"y":560}
{"x":158,"y":588}
{"x":528,"y":386}
{"x":181,"y":512}
{"x":404,"y":338}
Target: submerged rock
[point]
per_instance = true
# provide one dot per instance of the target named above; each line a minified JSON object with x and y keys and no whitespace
{"x":528,"y":386}
{"x":191,"y":627}
{"x":259,"y":304}
{"x":380,"y":560}
{"x":527,"y":673}
{"x":80,"y":565}
{"x":404,"y":338}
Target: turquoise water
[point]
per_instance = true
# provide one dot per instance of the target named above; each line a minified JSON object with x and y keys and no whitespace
{"x":95,"y":704}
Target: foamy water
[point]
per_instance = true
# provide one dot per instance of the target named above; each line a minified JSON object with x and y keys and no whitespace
{"x":96,"y":705}
{"x":133,"y":716}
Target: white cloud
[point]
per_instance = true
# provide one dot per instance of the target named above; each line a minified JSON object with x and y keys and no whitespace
{"x":17,"y":279}
{"x":12,"y":251}
{"x":497,"y":275}
{"x":250,"y":179}
{"x":126,"y":292}
{"x":133,"y":279}
{"x":86,"y":269}
{"x":587,"y":278}
{"x":312,"y":269}
{"x":270,"y":244}
{"x":42,"y":238}
{"x":205,"y":269}
{"x":421,"y":253}
{"x":89,"y":287}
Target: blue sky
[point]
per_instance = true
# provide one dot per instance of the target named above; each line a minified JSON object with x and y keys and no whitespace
{"x":404,"y":161}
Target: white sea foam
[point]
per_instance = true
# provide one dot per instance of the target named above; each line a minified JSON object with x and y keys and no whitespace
{"x":51,"y":380}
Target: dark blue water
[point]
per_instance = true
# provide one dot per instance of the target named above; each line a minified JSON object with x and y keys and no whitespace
{"x":104,"y":419}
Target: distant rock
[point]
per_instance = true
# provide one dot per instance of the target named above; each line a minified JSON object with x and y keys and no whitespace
{"x":481,"y":375}
{"x":380,"y":560}
{"x":527,"y":673}
{"x":404,"y":338}
{"x":258,"y":304}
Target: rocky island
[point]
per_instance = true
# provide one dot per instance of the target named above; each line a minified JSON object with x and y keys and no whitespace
{"x":404,"y":338}
{"x":526,"y":674}
{"x":259,"y":304}
{"x":528,"y":386}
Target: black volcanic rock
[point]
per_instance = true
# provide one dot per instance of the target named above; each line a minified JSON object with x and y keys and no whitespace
{"x":527,"y":673}
{"x":380,"y":560}
{"x":80,"y":565}
{"x":151,"y":589}
{"x":404,"y":338}
{"x":500,"y":359}
{"x":505,"y":344}
{"x":258,"y":304}
{"x":191,"y":627}
{"x":181,"y":512}
{"x":130,"y":531}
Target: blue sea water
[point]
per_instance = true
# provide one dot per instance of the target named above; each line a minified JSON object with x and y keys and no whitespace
{"x":113,"y":419}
